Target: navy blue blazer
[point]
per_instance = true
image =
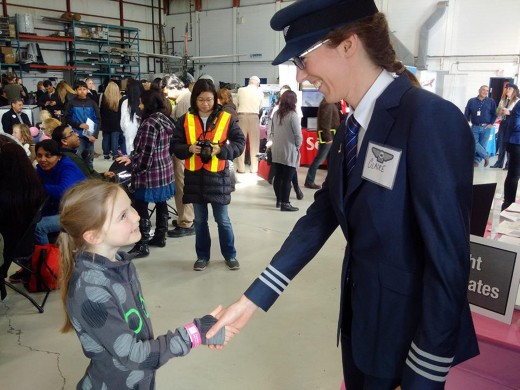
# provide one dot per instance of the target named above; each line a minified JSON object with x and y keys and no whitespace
{"x":408,"y":248}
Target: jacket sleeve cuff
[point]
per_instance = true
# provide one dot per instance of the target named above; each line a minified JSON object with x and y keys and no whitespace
{"x":266,"y":289}
{"x":424,"y":370}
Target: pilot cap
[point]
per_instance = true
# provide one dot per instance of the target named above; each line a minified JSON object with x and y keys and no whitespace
{"x":305,"y":22}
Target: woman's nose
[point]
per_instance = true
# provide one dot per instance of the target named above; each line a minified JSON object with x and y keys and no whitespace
{"x":301,"y":75}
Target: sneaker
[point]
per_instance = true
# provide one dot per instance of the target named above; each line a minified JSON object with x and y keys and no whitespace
{"x":181,"y":232}
{"x":20,"y":276}
{"x":200,"y":265}
{"x":233,"y":264}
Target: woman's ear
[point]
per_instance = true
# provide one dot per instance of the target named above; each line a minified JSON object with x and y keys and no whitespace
{"x":349,"y":45}
{"x":93,"y":237}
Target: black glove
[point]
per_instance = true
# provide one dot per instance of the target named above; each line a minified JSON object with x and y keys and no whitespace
{"x":204,"y":324}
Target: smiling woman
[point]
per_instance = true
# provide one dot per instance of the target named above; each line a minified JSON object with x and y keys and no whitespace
{"x":392,"y":332}
{"x":57,"y":173}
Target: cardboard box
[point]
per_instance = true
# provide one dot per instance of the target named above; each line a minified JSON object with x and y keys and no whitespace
{"x":82,"y":32}
{"x":12,"y":31}
{"x":8,"y":53}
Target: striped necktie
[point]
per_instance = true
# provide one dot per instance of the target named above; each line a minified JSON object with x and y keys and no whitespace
{"x":351,"y":140}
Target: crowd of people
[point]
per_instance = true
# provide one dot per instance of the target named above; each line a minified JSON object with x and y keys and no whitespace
{"x":137,"y":132}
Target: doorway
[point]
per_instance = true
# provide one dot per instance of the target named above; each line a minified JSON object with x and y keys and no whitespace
{"x":497,"y":87}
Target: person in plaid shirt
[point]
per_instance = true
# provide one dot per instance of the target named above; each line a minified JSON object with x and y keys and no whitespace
{"x":152,"y":171}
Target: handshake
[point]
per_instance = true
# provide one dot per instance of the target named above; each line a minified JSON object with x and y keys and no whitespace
{"x":198,"y":329}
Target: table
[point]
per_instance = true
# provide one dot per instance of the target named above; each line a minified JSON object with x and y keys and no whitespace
{"x":498,"y":365}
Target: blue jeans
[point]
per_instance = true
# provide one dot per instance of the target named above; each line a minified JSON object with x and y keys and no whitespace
{"x":48,"y":224}
{"x":323,"y":152}
{"x":110,"y":143}
{"x":481,"y":135}
{"x":225,"y":231}
{"x":88,"y":147}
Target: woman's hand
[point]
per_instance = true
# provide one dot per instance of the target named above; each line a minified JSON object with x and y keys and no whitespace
{"x":216,"y":149}
{"x":230,"y":332}
{"x":235,"y":317}
{"x":194,"y":149}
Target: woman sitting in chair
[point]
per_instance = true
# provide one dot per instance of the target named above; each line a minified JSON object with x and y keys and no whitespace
{"x":21,"y":196}
{"x":57,"y":173}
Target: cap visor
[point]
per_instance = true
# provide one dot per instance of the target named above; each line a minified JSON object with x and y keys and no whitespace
{"x":296,"y":47}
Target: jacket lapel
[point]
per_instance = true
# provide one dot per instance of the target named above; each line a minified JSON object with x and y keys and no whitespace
{"x":381,"y":124}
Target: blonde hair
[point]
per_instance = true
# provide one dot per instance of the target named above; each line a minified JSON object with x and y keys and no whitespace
{"x":44,"y":114}
{"x":84,"y":207}
{"x":50,"y":125}
{"x":63,"y":89}
{"x":111,"y":96}
{"x":25,"y":133}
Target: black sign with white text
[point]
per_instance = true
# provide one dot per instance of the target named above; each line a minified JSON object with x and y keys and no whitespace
{"x":492,"y":276}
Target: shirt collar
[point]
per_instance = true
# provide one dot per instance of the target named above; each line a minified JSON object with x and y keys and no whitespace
{"x":365,"y":108}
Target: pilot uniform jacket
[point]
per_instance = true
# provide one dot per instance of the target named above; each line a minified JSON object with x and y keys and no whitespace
{"x":407,"y":257}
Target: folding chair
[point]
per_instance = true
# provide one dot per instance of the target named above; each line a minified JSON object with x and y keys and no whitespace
{"x":23,"y":256}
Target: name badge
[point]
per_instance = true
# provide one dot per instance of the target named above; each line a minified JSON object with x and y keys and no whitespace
{"x":380,"y":166}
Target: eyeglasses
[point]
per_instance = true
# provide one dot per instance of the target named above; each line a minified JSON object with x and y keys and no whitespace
{"x":201,"y":100}
{"x":70,"y":135}
{"x":299,"y":60}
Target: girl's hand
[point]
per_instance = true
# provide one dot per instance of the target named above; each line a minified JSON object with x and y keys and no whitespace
{"x":231,"y":331}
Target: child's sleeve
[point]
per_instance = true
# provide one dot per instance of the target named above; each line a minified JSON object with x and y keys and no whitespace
{"x":103,"y":328}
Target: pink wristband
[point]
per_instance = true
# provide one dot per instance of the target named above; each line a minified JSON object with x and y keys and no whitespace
{"x":194,"y":334}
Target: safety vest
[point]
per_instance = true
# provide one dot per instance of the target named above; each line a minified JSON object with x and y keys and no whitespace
{"x":194,"y":132}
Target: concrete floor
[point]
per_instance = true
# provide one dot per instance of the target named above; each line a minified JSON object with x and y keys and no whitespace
{"x":293,"y":346}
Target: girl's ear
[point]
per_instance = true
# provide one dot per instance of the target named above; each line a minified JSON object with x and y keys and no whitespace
{"x":93,"y":237}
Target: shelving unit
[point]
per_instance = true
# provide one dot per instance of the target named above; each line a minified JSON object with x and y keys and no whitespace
{"x":91,"y":49}
{"x":106,"y":51}
{"x":16,"y":45}
{"x":7,"y":39}
{"x":28,"y":38}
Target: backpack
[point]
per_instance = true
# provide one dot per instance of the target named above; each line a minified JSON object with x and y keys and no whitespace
{"x":45,"y":266}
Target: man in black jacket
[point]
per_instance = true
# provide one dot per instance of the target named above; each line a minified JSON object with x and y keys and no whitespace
{"x":50,"y":100}
{"x":14,"y":116}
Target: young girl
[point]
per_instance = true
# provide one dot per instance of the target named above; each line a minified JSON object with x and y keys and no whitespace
{"x":102,"y":295}
{"x":22,"y":133}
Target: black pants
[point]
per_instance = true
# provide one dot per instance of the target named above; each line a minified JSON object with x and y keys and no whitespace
{"x":513,"y":174}
{"x":161,"y":209}
{"x":282,"y":181}
{"x":355,"y":379}
{"x":272,"y":174}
